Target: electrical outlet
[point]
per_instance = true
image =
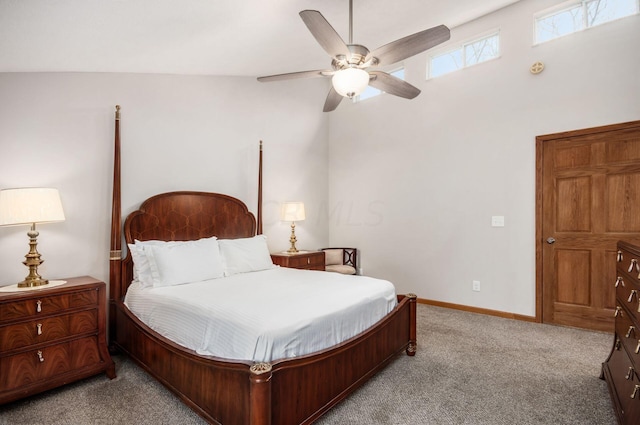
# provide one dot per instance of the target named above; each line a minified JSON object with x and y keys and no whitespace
{"x":476,"y":285}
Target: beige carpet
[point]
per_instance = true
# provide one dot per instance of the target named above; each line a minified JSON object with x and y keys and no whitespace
{"x":469,"y":369}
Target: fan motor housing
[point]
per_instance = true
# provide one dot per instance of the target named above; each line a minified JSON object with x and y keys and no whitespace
{"x":357,"y":58}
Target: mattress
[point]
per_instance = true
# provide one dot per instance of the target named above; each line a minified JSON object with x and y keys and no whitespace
{"x":266,"y":315}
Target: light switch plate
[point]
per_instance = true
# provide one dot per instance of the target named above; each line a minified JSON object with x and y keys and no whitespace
{"x":497,"y":221}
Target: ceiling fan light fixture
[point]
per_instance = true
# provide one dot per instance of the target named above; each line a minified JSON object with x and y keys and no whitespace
{"x":350,"y":63}
{"x":350,"y":82}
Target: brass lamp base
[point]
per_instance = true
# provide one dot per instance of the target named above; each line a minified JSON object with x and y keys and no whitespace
{"x":293,"y":239}
{"x":33,"y":261}
{"x":30,"y":283}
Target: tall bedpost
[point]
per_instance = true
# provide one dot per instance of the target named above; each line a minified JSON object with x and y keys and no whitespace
{"x":259,"y":218}
{"x":115,"y":254}
{"x":411,"y":348}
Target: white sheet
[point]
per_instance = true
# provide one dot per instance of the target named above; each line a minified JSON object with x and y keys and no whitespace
{"x":266,"y":315}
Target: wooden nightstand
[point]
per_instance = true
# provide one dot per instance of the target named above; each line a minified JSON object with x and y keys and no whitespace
{"x":52,"y":336}
{"x":308,"y":260}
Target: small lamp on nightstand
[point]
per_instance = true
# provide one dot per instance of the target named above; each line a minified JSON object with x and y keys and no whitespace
{"x":30,"y":206}
{"x":293,"y":211}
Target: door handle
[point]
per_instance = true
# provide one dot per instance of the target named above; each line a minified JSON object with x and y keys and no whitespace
{"x":551,"y":241}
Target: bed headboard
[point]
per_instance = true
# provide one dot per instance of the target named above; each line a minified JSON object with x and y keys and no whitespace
{"x":184,"y":216}
{"x":173,"y":216}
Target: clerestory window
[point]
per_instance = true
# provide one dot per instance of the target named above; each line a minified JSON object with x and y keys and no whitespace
{"x":467,"y":54}
{"x":576,"y":16}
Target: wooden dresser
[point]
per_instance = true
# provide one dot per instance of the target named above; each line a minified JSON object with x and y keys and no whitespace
{"x":308,"y":260}
{"x":622,"y":369}
{"x":52,"y":336}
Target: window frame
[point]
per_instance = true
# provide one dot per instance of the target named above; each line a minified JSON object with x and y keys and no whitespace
{"x":570,"y":4}
{"x":461,"y":46}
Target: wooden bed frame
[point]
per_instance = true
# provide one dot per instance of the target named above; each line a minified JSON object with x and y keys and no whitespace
{"x":289,"y":391}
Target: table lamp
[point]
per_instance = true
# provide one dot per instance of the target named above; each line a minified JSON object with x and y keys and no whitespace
{"x":28,"y":206}
{"x":293,"y":211}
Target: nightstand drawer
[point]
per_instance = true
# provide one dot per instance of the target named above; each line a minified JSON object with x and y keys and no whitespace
{"x":47,"y":329}
{"x":33,"y":366}
{"x":306,"y":261}
{"x":45,"y":305}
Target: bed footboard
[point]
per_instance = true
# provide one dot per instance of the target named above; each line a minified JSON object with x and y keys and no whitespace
{"x":303,"y":389}
{"x":291,"y":391}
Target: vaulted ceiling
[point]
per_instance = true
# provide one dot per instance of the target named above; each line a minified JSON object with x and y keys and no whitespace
{"x":208,"y":37}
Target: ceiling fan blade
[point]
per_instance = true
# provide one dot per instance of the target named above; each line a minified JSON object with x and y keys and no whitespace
{"x":295,"y":75}
{"x":333,"y":100}
{"x":410,"y":45}
{"x":392,"y":85}
{"x":324,"y":33}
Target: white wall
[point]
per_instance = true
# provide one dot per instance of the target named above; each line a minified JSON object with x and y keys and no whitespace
{"x":178,"y":133}
{"x":414,"y":183}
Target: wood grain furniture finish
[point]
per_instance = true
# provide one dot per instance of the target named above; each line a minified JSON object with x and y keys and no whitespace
{"x":52,"y":336}
{"x":305,"y":260}
{"x":622,"y":369}
{"x":588,"y":191}
{"x":222,"y":391}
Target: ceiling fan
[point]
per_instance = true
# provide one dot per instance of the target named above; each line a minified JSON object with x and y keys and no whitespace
{"x":350,"y":62}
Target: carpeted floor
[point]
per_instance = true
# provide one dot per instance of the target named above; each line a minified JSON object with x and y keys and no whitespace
{"x":469,"y":369}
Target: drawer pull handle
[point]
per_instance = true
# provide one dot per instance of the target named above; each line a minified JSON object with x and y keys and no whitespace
{"x":632,"y":330}
{"x":634,"y":262}
{"x":308,"y":260}
{"x":633,"y":292}
{"x":38,"y":306}
{"x":629,"y":374}
{"x":617,"y":344}
{"x":638,"y":347}
{"x":619,"y":281}
{"x":619,"y":256}
{"x":39,"y":326}
{"x":40,"y":356}
{"x":636,"y":390}
{"x":618,"y":312}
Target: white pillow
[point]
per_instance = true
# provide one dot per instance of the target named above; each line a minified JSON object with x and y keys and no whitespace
{"x":141,"y":268}
{"x":174,"y":263}
{"x":245,"y":255}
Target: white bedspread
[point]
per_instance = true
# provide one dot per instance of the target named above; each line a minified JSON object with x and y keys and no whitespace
{"x":266,"y":315}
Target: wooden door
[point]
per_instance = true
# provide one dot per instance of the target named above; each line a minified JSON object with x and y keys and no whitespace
{"x":587,"y":198}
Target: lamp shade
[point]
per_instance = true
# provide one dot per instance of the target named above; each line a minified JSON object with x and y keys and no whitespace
{"x":30,"y":205}
{"x":293,"y":211}
{"x":350,"y":82}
